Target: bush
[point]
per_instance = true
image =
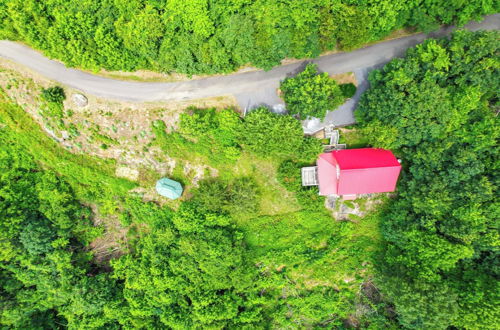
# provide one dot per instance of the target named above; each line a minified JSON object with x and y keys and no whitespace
{"x":289,"y":175}
{"x":53,"y":94}
{"x":207,"y":132}
{"x":36,"y":237}
{"x":311,"y":93}
{"x":270,"y":135}
{"x":237,"y":196}
{"x":348,"y":90}
{"x":309,"y":150}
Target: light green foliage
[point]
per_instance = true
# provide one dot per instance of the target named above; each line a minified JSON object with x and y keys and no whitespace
{"x":215,"y":131}
{"x":243,"y":252}
{"x":308,"y":242}
{"x":189,"y":271}
{"x":289,"y":175}
{"x":220,"y":136}
{"x":90,"y":178}
{"x":311,"y":93}
{"x":436,"y":108}
{"x":271,"y":135}
{"x":207,"y":132}
{"x":53,"y":107}
{"x":204,"y":36}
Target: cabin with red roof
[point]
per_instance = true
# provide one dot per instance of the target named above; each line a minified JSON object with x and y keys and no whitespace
{"x":352,"y":172}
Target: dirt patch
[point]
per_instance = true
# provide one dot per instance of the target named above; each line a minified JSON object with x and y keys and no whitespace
{"x":345,"y":78}
{"x":152,"y":76}
{"x":113,"y":243}
{"x":143,"y":75}
{"x":197,"y":172}
{"x":280,"y":268}
{"x":353,"y":210}
{"x":370,"y":291}
{"x":127,"y":173}
{"x":106,"y":129}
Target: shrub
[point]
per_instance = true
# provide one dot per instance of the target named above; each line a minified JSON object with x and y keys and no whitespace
{"x":53,"y":94}
{"x":310,"y":199}
{"x":311,"y":93}
{"x":243,"y":193}
{"x":289,"y":175}
{"x":348,"y":90}
{"x":236,"y":196}
{"x":36,"y":237}
{"x":309,"y":150}
{"x":270,"y":135}
{"x":207,"y":132}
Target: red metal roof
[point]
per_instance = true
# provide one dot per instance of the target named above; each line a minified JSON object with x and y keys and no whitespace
{"x":357,"y":171}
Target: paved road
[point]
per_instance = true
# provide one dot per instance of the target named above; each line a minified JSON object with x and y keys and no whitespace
{"x":250,"y":88}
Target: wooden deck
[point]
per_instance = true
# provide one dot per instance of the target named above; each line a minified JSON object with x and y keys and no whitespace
{"x":310,"y":176}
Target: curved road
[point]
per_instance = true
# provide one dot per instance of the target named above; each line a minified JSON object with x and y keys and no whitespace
{"x":251,"y":88}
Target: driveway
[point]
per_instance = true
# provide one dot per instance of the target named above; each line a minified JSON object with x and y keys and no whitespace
{"x":250,"y":88}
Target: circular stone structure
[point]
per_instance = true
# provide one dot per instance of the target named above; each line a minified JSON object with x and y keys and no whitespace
{"x":169,"y":188}
{"x":80,"y":100}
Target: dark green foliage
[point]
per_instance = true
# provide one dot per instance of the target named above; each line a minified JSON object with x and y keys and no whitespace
{"x":214,"y":36}
{"x":311,"y":93}
{"x":53,"y":94}
{"x":348,"y":90}
{"x":309,"y":150}
{"x":240,"y":263}
{"x":289,"y":175}
{"x":36,"y":237}
{"x":236,"y":197}
{"x":437,"y":109}
{"x":43,"y":267}
{"x":53,"y":107}
{"x":310,"y":199}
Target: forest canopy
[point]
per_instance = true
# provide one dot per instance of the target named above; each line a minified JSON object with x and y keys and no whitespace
{"x":213,"y":36}
{"x":437,"y":109}
{"x":227,"y":256}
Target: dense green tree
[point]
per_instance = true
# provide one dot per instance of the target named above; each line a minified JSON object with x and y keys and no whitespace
{"x":210,"y":133}
{"x":190,"y":271}
{"x":44,"y":269}
{"x":437,"y":109}
{"x":214,"y":36}
{"x":311,"y":94}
